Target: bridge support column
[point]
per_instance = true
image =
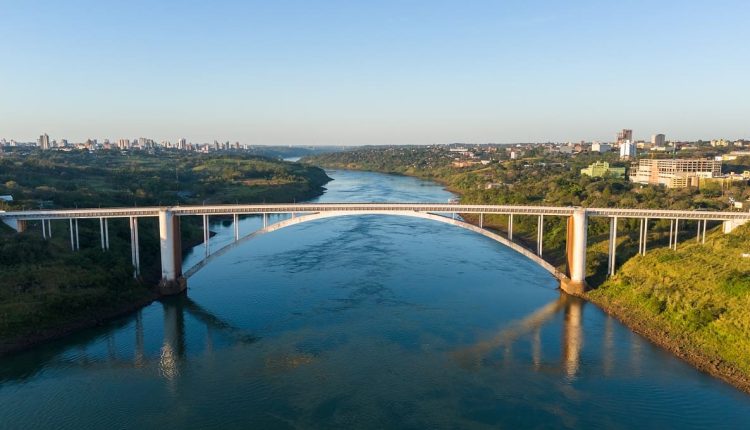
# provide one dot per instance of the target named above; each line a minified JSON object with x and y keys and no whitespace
{"x":106,"y":234}
{"x":576,"y":250}
{"x":134,"y":248}
{"x":704,"y":231}
{"x":481,"y":220}
{"x":101,"y":232}
{"x":206,"y":235}
{"x":539,"y":235}
{"x":510,"y":227}
{"x":676,"y":232}
{"x":612,"y":246}
{"x":731,"y":224}
{"x":72,"y":238}
{"x":265,"y":220}
{"x":236,"y":224}
{"x":44,"y":229}
{"x":671,"y":230}
{"x":172,"y":281}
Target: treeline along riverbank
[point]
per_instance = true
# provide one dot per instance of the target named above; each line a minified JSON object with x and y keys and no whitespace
{"x":46,"y":290}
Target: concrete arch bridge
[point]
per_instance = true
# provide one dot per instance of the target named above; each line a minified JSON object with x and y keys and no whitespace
{"x":174,"y":280}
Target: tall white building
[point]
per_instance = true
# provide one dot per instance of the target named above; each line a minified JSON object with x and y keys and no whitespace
{"x":43,"y":141}
{"x":600,"y":147}
{"x":627,"y":150}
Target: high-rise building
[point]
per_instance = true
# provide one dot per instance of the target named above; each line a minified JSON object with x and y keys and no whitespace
{"x":626,"y":135}
{"x":658,"y":140}
{"x":627,"y":150}
{"x":674,"y":172}
{"x":600,"y":147}
{"x":43,"y":141}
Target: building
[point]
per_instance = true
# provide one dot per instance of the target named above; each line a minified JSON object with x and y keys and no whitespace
{"x":627,"y":150}
{"x":600,"y":147}
{"x":674,"y":173}
{"x":43,"y":141}
{"x":626,"y":135}
{"x":600,"y":169}
{"x":658,"y":140}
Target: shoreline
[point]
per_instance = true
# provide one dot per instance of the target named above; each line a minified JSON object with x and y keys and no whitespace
{"x":21,"y":344}
{"x":714,"y":367}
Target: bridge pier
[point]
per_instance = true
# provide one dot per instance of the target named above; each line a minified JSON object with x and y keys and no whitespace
{"x":510,"y":227}
{"x":612,"y":246}
{"x":134,"y":248}
{"x":576,"y":250}
{"x":172,"y":281}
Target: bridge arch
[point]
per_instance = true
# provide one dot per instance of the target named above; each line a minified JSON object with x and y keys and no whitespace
{"x":414,"y":214}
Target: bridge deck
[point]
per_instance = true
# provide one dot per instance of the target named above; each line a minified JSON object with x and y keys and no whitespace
{"x":369,"y":207}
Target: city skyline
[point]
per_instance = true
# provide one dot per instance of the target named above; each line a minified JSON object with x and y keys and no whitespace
{"x":334,"y":73}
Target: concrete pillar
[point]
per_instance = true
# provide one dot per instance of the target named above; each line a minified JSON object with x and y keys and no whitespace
{"x":72,"y":236}
{"x":236,"y":224}
{"x":731,"y":224}
{"x":540,"y":235}
{"x":612,"y":246}
{"x":671,"y":231}
{"x":106,"y":233}
{"x":44,"y":229}
{"x":510,"y":227}
{"x":101,"y":232}
{"x":704,"y":230}
{"x":481,"y":220}
{"x":576,"y":247}
{"x":78,"y":242}
{"x":676,"y":232}
{"x":206,"y":236}
{"x":170,"y":247}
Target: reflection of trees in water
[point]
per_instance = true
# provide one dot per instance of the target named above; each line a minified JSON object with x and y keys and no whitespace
{"x":169,"y":357}
{"x":475,"y":356}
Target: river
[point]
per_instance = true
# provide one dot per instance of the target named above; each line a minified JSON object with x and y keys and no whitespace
{"x":363,"y":322}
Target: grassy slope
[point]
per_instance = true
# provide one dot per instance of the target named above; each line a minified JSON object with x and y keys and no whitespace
{"x":697,"y":298}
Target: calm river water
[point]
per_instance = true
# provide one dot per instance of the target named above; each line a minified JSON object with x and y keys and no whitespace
{"x":363,"y":322}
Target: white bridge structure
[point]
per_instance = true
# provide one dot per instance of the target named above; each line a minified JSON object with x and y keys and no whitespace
{"x":174,"y":281}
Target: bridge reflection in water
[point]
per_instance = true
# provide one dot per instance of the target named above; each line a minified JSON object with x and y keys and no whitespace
{"x":478,"y":354}
{"x":172,"y":354}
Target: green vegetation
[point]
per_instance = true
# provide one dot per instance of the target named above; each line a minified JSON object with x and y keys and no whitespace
{"x":45,"y":287}
{"x":698,"y":295}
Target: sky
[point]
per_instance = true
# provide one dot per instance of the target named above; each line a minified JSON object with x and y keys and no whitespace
{"x":338,"y":72}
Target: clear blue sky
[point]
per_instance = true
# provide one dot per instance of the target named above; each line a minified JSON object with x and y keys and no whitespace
{"x":374,"y":72}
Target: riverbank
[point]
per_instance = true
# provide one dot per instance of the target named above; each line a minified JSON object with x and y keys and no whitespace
{"x":701,"y":314}
{"x":47,"y":291}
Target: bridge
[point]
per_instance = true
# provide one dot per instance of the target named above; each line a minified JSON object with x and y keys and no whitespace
{"x":174,"y":281}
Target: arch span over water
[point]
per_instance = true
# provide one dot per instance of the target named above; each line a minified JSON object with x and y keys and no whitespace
{"x":423,"y":215}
